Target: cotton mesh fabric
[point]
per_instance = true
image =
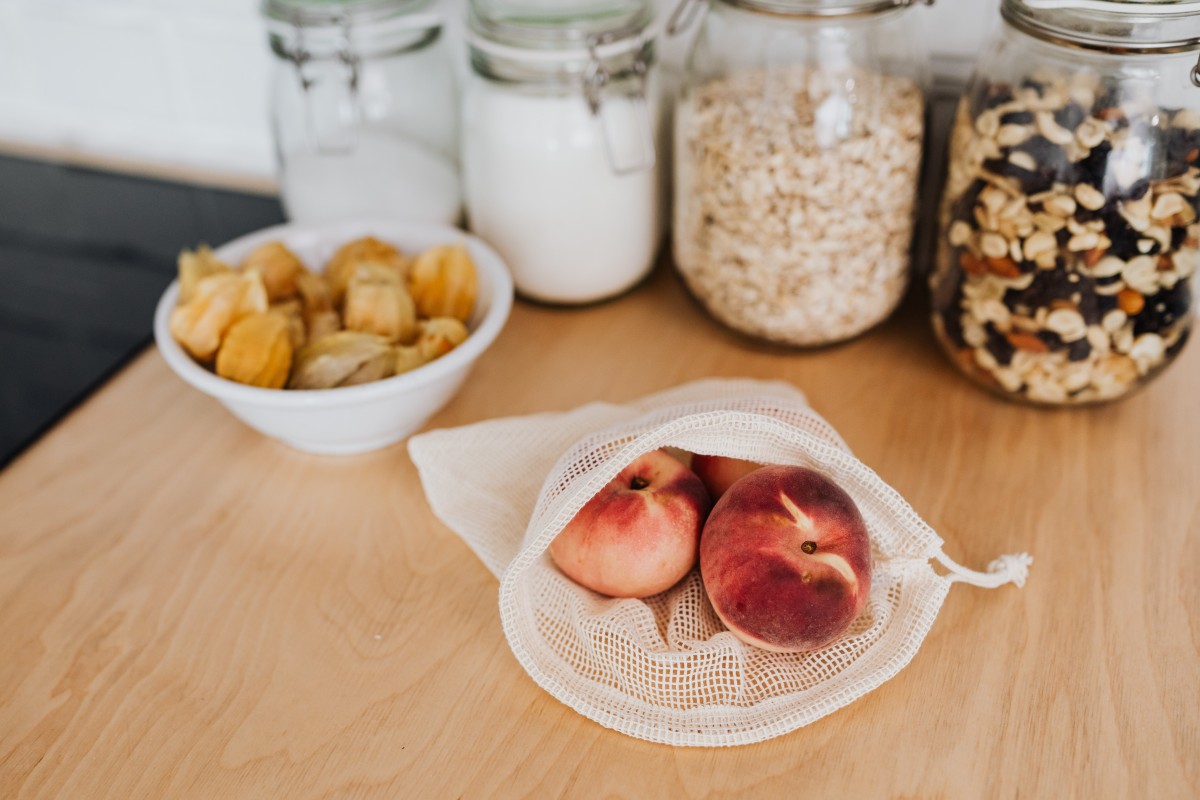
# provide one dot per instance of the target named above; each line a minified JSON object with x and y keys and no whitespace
{"x":664,"y":668}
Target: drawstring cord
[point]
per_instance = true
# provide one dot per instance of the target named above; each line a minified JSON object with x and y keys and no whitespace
{"x":1012,"y":568}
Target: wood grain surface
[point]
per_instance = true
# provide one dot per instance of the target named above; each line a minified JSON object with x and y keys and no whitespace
{"x":189,"y":609}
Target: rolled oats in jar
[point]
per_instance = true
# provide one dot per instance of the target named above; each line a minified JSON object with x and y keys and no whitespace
{"x":1070,"y":229}
{"x":799,"y":136}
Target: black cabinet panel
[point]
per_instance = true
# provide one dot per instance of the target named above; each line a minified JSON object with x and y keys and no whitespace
{"x":84,"y":256}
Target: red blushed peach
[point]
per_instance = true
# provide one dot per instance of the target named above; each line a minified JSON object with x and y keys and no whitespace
{"x":640,"y":534}
{"x":786,"y":560}
{"x":721,"y":472}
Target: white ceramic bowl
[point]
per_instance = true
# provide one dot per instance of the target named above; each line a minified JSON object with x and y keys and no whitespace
{"x":353,"y":419}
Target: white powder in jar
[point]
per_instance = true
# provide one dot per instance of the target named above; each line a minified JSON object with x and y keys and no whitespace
{"x":540,"y":189}
{"x":384,"y":174}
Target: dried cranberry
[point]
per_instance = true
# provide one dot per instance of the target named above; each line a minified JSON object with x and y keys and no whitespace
{"x":1088,"y":307}
{"x":1124,"y":238}
{"x":997,"y":94}
{"x":1181,"y":150}
{"x":1070,"y":115}
{"x":1052,"y":339}
{"x":1094,"y":167}
{"x":1163,"y":309}
{"x":1048,"y":285}
{"x":1079,"y":350}
{"x":1178,"y":235}
{"x":1018,"y":118}
{"x":1032,"y":182}
{"x":998,"y":345}
{"x":1030,"y":83}
{"x":1045,"y":152}
{"x":1108,"y":100}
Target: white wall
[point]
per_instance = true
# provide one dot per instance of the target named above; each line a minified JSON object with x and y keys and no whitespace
{"x":958,"y":28}
{"x":171,"y":81}
{"x":182,"y":82}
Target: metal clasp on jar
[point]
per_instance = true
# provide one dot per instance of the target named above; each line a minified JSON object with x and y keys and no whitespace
{"x":331,"y":101}
{"x":625,"y":116}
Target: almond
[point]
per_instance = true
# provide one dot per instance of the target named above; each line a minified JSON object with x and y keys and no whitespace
{"x":1004,"y":267}
{"x":1027,"y":341}
{"x":972,"y":264}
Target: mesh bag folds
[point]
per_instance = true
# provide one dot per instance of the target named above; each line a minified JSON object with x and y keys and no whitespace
{"x":664,"y":668}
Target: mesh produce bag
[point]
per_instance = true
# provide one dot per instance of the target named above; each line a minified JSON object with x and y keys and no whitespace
{"x":664,"y":668}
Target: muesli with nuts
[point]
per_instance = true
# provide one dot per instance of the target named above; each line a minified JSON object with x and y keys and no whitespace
{"x":1070,"y":238}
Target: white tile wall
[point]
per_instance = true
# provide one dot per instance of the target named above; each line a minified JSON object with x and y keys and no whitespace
{"x":97,"y":63}
{"x":957,"y":28}
{"x":174,"y":82}
{"x":184,"y":82}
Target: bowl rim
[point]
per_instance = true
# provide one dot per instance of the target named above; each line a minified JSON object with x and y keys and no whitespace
{"x":491,"y":266}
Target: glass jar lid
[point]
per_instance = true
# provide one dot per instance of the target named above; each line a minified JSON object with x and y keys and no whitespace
{"x":825,"y":8}
{"x":556,"y":25}
{"x":1116,"y":26}
{"x":684,"y":13}
{"x":329,"y":28}
{"x":330,"y":12}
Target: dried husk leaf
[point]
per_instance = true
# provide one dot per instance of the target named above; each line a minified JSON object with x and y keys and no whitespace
{"x":288,"y":308}
{"x":341,"y":268}
{"x":219,"y":301}
{"x":375,"y":272}
{"x":376,"y":369}
{"x":382,"y":307}
{"x":320,"y":317}
{"x":408,"y":358}
{"x":314,"y":292}
{"x":439,"y":336}
{"x":331,"y":360}
{"x":444,"y":282}
{"x":195,"y":266}
{"x":257,"y":351}
{"x":293,"y":312}
{"x":321,"y":323}
{"x":279,"y":268}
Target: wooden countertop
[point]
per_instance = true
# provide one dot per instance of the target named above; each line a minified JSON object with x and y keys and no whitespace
{"x":192,"y":610}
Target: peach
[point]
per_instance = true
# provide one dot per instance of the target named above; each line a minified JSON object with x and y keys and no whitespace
{"x":640,"y":534}
{"x":786,"y":560}
{"x":721,"y":472}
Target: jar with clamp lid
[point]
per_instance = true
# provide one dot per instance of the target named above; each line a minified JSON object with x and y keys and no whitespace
{"x":560,"y":144}
{"x":364,"y":110}
{"x":1071,"y":215}
{"x":799,"y":135}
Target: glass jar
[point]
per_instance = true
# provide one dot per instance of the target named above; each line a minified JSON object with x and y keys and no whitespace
{"x":560,"y":124}
{"x":798,"y":141}
{"x":1069,"y":220}
{"x":364,"y":111}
